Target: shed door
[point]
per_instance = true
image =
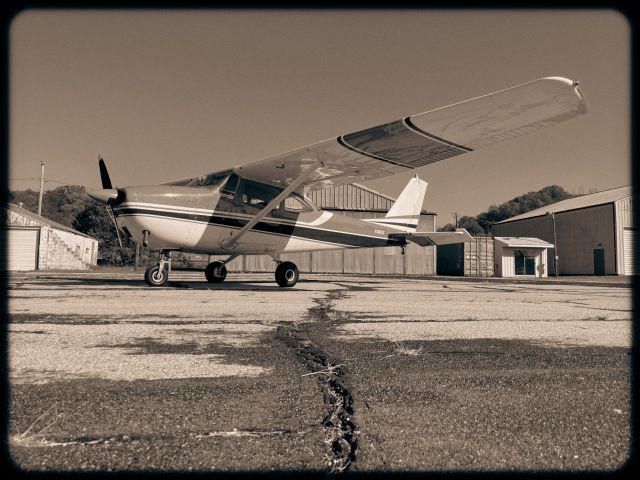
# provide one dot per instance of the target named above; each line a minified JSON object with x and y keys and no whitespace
{"x":631,"y":261}
{"x":22,"y":246}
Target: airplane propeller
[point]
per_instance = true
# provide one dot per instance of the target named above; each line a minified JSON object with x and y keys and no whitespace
{"x":108,"y":195}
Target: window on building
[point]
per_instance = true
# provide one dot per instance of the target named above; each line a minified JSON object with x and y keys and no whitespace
{"x":525,"y":264}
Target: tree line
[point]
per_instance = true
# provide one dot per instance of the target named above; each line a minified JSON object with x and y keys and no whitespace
{"x":481,"y":224}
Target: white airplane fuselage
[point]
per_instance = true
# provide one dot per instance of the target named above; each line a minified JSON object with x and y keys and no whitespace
{"x":195,"y":219}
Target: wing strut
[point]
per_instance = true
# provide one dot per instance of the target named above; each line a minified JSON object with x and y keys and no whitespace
{"x":229,"y":243}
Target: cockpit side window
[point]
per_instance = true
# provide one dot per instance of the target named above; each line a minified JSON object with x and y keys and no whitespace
{"x":228,"y":190}
{"x":255,"y":195}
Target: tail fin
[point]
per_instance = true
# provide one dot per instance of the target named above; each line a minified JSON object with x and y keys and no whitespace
{"x":405,"y":212}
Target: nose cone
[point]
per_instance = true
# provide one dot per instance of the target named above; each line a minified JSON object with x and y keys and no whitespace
{"x":104,"y":195}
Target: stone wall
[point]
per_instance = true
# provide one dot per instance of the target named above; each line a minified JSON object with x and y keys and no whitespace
{"x":60,"y":250}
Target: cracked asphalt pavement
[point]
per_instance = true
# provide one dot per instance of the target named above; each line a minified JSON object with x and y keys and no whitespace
{"x":340,"y":373}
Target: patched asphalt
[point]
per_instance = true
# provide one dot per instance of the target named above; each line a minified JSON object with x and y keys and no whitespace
{"x":109,"y":375}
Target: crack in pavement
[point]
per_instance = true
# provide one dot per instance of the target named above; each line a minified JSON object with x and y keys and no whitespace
{"x":341,"y":432}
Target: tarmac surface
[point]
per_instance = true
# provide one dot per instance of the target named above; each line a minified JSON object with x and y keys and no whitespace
{"x":339,"y":373}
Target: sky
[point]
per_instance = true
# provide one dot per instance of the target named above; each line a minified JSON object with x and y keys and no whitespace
{"x":169,"y":94}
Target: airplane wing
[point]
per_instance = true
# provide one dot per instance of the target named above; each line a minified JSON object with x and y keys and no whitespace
{"x":425,"y":239}
{"x":425,"y":138}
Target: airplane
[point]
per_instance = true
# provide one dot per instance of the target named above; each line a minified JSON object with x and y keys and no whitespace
{"x":261,"y":207}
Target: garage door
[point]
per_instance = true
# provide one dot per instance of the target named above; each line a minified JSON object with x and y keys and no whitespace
{"x":22,"y":247}
{"x":631,"y":260}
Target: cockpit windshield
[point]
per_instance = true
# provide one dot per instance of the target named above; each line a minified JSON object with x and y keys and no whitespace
{"x":212,"y":180}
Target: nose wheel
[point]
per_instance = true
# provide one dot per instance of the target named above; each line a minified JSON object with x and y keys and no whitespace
{"x":287,"y":274}
{"x":158,"y":275}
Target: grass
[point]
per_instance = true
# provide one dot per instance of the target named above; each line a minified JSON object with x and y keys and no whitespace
{"x":35,"y":434}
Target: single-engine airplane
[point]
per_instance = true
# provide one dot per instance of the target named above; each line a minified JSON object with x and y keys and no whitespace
{"x":261,"y":207}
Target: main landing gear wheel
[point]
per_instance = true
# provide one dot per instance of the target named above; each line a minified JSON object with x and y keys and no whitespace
{"x":215,"y":272}
{"x":156,"y":276}
{"x":287,"y":274}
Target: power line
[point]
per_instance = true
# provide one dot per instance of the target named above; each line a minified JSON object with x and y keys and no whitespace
{"x":37,"y":179}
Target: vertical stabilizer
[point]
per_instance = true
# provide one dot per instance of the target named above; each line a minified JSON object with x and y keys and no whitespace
{"x":405,"y":212}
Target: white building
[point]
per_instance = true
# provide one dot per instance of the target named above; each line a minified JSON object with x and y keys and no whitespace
{"x":520,"y":257}
{"x":34,"y":242}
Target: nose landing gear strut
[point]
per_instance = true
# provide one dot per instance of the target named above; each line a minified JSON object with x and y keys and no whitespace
{"x":158,"y":275}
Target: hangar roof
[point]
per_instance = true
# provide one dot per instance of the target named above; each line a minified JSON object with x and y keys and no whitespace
{"x":40,"y":219}
{"x":583,"y":201}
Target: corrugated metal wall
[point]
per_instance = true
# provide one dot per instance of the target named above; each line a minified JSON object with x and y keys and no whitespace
{"x":578,"y":233}
{"x":624,"y":209}
{"x":469,"y":259}
{"x":350,"y":197}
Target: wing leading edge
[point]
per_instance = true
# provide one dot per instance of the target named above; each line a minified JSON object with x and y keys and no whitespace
{"x":425,"y":138}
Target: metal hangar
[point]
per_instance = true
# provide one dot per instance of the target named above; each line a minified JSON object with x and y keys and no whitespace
{"x":593,"y":234}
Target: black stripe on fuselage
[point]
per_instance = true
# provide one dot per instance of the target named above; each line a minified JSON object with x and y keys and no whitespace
{"x":273,"y":228}
{"x":401,"y":144}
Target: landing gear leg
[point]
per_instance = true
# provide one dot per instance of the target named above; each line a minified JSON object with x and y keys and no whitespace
{"x":158,"y":275}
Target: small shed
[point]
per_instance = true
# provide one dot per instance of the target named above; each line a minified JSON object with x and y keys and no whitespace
{"x":34,"y":242}
{"x":521,"y":256}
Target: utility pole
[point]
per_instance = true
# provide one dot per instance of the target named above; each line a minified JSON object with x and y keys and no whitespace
{"x":555,"y":244}
{"x":41,"y":188}
{"x":455,"y":215}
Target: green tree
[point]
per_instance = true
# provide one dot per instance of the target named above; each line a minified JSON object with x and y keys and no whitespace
{"x":522,"y":204}
{"x":482,"y":223}
{"x":467,"y":222}
{"x":28,"y":198}
{"x":95,"y":220}
{"x":62,"y":204}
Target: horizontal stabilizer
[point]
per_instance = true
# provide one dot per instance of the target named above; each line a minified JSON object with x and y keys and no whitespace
{"x":425,"y":239}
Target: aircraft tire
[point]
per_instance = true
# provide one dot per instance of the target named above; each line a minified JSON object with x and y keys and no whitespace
{"x":287,"y":274}
{"x":154,"y":277}
{"x":215,"y":272}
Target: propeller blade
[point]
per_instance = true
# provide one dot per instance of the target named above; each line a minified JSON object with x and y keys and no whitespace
{"x":104,"y":175}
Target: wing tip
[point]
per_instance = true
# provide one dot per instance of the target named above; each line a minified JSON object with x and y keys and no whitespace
{"x":582,"y":106}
